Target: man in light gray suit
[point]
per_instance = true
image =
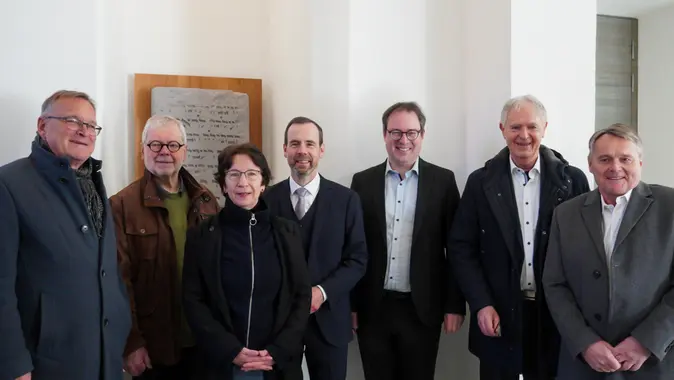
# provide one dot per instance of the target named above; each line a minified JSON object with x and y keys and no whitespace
{"x":608,"y":273}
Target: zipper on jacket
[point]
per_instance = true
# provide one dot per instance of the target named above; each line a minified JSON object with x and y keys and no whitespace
{"x":251,"y":223}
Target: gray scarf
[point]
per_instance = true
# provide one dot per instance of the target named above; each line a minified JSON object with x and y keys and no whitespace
{"x":91,"y":197}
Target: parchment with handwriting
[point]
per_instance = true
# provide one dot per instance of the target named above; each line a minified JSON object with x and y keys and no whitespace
{"x":213,"y":120}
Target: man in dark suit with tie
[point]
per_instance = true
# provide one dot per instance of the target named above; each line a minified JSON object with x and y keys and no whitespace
{"x":408,"y":289}
{"x":330,"y":216}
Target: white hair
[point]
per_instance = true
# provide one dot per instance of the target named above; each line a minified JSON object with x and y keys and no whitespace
{"x":158,"y":121}
{"x":518,"y":101}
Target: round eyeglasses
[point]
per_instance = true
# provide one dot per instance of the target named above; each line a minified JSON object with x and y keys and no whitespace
{"x":157,"y":146}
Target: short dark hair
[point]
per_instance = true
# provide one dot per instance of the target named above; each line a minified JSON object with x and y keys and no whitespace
{"x":407,"y":107}
{"x":226,"y":159}
{"x":303,"y":120}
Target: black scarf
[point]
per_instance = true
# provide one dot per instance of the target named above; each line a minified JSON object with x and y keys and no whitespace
{"x":91,"y":197}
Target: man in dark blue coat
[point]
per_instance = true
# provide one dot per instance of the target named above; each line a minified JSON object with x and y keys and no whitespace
{"x":330,"y":216}
{"x":64,"y":312}
{"x":498,"y":244}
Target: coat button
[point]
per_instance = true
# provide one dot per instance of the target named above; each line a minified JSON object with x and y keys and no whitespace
{"x":142,"y":230}
{"x":597,"y":317}
{"x":84,"y":228}
{"x":544,"y":232}
{"x":559,"y":199}
{"x":211,"y":228}
{"x":596,"y":274}
{"x":105,"y":322}
{"x":63,"y":180}
{"x":103,"y":273}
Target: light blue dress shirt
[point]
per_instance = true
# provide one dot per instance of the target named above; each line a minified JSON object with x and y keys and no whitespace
{"x":401,"y":202}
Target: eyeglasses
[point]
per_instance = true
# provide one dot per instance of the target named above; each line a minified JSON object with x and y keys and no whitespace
{"x":157,"y":146}
{"x":75,"y":124}
{"x":411,"y":134}
{"x":252,"y":175}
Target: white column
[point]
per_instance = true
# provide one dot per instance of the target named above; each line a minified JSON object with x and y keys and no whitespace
{"x":526,"y":46}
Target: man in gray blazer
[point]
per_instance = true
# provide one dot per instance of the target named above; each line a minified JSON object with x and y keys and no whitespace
{"x":608,"y":274}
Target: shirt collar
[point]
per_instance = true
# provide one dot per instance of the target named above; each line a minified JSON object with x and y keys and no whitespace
{"x":415,"y":168}
{"x":312,"y":187}
{"x":620,"y":200}
{"x":536,"y":170}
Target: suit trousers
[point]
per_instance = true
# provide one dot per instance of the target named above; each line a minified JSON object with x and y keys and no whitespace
{"x":529,"y":354}
{"x":324,"y":361}
{"x":396,"y":344}
{"x":190,"y":367}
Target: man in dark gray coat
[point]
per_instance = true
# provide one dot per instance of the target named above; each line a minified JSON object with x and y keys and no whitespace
{"x":608,"y":274}
{"x":64,"y":312}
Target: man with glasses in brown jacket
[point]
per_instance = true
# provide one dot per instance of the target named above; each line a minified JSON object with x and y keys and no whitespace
{"x":152,"y":216}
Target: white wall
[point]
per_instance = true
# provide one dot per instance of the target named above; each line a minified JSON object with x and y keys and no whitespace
{"x":656,"y":94}
{"x":40,"y":56}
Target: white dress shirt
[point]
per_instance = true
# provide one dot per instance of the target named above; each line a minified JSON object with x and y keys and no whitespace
{"x":312,"y":192}
{"x":612,"y":217}
{"x":401,"y":204}
{"x":527,"y":196}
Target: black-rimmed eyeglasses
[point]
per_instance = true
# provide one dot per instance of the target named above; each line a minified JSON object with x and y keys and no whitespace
{"x":411,"y":134}
{"x":157,"y":146}
{"x":75,"y":124}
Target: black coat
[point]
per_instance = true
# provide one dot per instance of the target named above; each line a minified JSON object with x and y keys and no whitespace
{"x":64,"y":311}
{"x":207,"y":310}
{"x":487,"y":254}
{"x":434,"y":289}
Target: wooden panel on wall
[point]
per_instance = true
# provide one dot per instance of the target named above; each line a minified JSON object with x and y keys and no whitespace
{"x":143,"y":84}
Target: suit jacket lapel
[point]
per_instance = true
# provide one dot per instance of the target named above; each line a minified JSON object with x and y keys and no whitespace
{"x":498,"y":188}
{"x":640,"y":201}
{"x":282,"y":201}
{"x":424,"y":186}
{"x":591,"y":214}
{"x":501,"y":198}
{"x":379,"y":197}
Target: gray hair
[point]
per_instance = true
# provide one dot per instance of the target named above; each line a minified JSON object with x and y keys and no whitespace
{"x":158,"y":121}
{"x":519,"y":101}
{"x":66,"y":94}
{"x":618,"y":130}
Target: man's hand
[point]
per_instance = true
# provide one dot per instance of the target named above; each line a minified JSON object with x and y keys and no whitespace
{"x":25,"y":377}
{"x":599,"y":356}
{"x":316,"y":299}
{"x":137,"y":362}
{"x":489,"y":321}
{"x":631,"y":354}
{"x":452,"y":323}
{"x":354,"y":322}
{"x":252,"y":360}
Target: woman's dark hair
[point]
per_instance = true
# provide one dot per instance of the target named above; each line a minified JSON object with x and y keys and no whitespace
{"x":226,"y":159}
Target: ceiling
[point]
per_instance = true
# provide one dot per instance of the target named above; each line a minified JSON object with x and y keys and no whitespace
{"x":629,"y":8}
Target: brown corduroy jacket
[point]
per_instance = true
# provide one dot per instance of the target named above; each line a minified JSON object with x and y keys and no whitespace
{"x":147,"y":260}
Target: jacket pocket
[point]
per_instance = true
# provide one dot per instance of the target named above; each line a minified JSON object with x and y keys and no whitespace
{"x":48,"y":339}
{"x":143,"y":241}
